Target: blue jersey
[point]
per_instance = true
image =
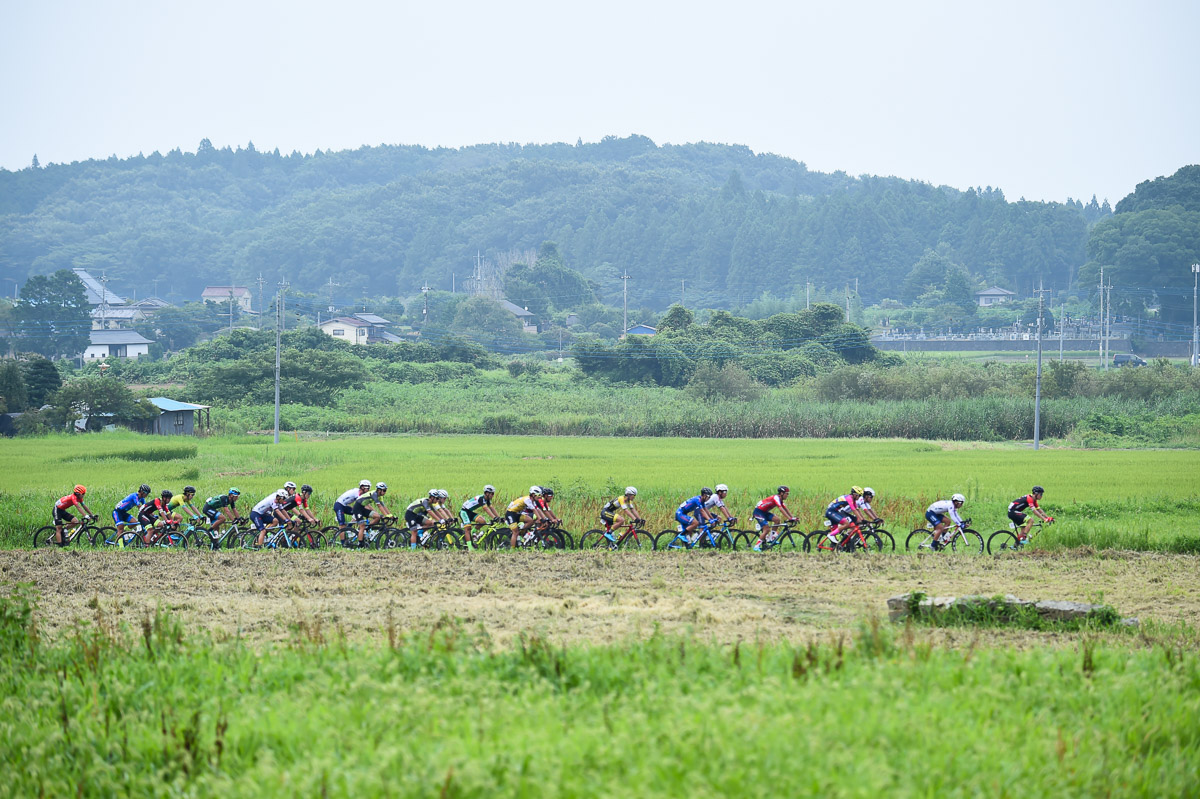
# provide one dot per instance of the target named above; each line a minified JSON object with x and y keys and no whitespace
{"x":692,"y":505}
{"x":130,"y":502}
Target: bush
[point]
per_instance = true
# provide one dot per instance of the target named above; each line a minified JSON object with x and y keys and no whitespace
{"x":713,"y":383}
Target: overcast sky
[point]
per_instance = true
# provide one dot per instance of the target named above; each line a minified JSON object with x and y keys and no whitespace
{"x":1043,"y":99}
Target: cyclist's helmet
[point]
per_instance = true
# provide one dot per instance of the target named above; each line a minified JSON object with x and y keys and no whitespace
{"x":167,"y":493}
{"x":547,"y":492}
{"x":782,"y":490}
{"x":856,"y":490}
{"x":489,"y":489}
{"x":535,"y":491}
{"x":1036,"y":490}
{"x":722,"y":487}
{"x":706,"y":492}
{"x":443,"y":493}
{"x":289,"y":484}
{"x":433,"y":493}
{"x":80,"y":490}
{"x":281,"y":495}
{"x":143,"y":489}
{"x":958,"y":498}
{"x":364,"y":483}
{"x":306,"y":489}
{"x":630,"y":491}
{"x":868,"y":491}
{"x":381,"y":486}
{"x":233,"y":492}
{"x":189,"y":490}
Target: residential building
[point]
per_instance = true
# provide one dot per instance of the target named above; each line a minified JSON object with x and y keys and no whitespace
{"x":222,"y":294}
{"x":118,"y":318}
{"x":95,"y":290}
{"x":377,"y":332}
{"x":527,"y":319}
{"x":641,"y":330}
{"x":116,"y":344}
{"x":149,"y":305}
{"x":994,"y":296}
{"x":347,"y":328}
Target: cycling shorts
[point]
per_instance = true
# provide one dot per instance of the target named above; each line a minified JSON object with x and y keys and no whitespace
{"x":763,"y":516}
{"x":122,"y":517}
{"x":514,"y":516}
{"x":260,"y":520}
{"x":935,"y":518}
{"x":837,"y":517}
{"x":61,"y":516}
{"x":412,"y":520}
{"x":606,"y":517}
{"x":684,"y":518}
{"x":1017,"y":517}
{"x":467,"y":516}
{"x":341,"y":511}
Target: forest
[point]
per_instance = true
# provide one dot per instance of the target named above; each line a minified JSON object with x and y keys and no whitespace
{"x":713,"y":226}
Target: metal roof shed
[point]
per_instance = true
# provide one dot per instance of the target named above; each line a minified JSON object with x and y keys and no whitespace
{"x":179,"y":418}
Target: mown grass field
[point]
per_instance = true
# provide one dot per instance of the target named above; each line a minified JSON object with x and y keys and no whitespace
{"x":1128,"y":499}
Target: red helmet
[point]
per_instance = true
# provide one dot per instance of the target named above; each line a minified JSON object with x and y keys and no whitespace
{"x":80,"y":490}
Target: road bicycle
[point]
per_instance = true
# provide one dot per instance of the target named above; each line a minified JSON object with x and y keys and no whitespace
{"x":705,"y":537}
{"x":853,"y":538}
{"x":129,"y":538}
{"x":963,"y":540}
{"x":80,"y":531}
{"x":442,"y":535}
{"x":627,"y":535}
{"x":229,"y":537}
{"x":1009,"y":541}
{"x":168,"y":536}
{"x":537,"y":535}
{"x":774,"y":536}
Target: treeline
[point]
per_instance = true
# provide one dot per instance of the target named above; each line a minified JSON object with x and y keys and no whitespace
{"x":718,"y":223}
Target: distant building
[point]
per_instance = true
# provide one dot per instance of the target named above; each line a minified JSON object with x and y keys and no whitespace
{"x":95,"y":290}
{"x":117,"y":318}
{"x":377,"y":332}
{"x":222,"y":294}
{"x":149,"y":305}
{"x":116,"y":344}
{"x":994,"y":296}
{"x":178,"y":418}
{"x":527,"y":319}
{"x":347,"y":328}
{"x":641,"y":330}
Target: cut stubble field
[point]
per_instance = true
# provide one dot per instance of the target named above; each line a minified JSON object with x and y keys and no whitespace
{"x":577,"y":597}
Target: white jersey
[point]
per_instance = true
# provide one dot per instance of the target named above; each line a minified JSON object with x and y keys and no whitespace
{"x":348,"y":498}
{"x":267,"y":506}
{"x":714,"y":502}
{"x":944,"y":506}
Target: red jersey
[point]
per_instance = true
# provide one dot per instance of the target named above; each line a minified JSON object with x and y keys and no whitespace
{"x":68,"y":501}
{"x":772,"y":501}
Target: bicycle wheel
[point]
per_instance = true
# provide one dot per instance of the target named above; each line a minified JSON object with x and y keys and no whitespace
{"x":870,"y":543}
{"x":568,"y":540}
{"x":967,"y":542}
{"x":744,"y":541}
{"x":920,"y":539}
{"x":670,"y":539}
{"x":173,"y":540}
{"x":720,"y":542}
{"x":450,"y":539}
{"x":595,"y":539}
{"x":44,"y":536}
{"x":1002,"y":541}
{"x":885,"y":538}
{"x":818,"y":541}
{"x":638,"y":540}
{"x":789,"y":542}
{"x":547,"y":541}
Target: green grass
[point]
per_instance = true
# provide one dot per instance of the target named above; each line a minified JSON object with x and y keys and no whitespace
{"x":155,"y":710}
{"x":1128,"y":499}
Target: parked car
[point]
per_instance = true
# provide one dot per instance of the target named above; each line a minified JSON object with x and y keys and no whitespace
{"x":1127,"y":359}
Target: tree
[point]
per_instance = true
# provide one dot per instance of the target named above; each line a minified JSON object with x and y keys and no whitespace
{"x":959,"y":290}
{"x":53,"y":315}
{"x":484,"y":317}
{"x":41,"y":380}
{"x":13,"y":394}
{"x":712,"y":383}
{"x":104,"y":400}
{"x":676,"y":319}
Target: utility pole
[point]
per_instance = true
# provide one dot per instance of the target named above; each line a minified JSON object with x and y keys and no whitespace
{"x":1107,"y":323}
{"x":278,"y":347}
{"x":260,"y":299}
{"x":103,"y":300}
{"x":681,"y":290}
{"x":1061,"y":328}
{"x":231,"y":304}
{"x":807,"y":285}
{"x":453,"y":280}
{"x":847,"y":302}
{"x":1101,"y":317}
{"x":624,"y":303}
{"x":329,"y":287}
{"x":1195,"y":327}
{"x":425,"y":311}
{"x":155,"y":282}
{"x":1037,"y":386}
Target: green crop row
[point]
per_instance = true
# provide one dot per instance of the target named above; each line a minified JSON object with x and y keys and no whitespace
{"x":156,"y":711}
{"x":1130,"y":499}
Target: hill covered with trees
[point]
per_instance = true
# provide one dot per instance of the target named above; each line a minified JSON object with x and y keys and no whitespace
{"x":718,"y":224}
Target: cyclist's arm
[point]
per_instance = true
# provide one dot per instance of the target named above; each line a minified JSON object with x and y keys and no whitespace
{"x":86,"y":510}
{"x":786,"y":512}
{"x":491,"y":512}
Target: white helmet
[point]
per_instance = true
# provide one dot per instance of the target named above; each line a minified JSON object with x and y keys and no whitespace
{"x":630,"y":491}
{"x":958,"y":498}
{"x":489,"y":489}
{"x":868,"y":492}
{"x":443,"y":493}
{"x":535,"y":491}
{"x":722,"y":487}
{"x":289,"y":484}
{"x":364,"y":483}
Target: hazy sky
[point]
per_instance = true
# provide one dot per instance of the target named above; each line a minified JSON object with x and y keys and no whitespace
{"x":1043,"y":99}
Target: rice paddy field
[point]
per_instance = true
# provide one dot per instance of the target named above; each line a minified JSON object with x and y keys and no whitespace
{"x":397,"y":673}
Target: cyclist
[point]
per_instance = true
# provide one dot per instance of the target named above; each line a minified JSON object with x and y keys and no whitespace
{"x":544,"y":506}
{"x":269,"y":509}
{"x":370,"y":508}
{"x":422,"y":514}
{"x":1018,"y":507}
{"x":220,"y":509}
{"x":611,"y":513}
{"x":844,"y":511}
{"x":716,"y":503}
{"x":156,"y":513}
{"x":182,"y":504}
{"x":62,"y":516}
{"x":936,"y":515}
{"x":122,"y":513}
{"x":762,"y":514}
{"x":343,"y":506}
{"x":691,"y":512}
{"x":297,"y":503}
{"x":470,"y":510}
{"x":442,"y":507}
{"x":522,"y":511}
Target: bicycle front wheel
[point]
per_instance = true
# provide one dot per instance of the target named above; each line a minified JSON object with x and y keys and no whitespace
{"x":919,"y":540}
{"x":638,"y":540}
{"x":595,"y":539}
{"x":967,"y":542}
{"x":1002,"y":541}
{"x":44,"y":536}
{"x":885,"y":538}
{"x":450,"y":539}
{"x":670,"y":539}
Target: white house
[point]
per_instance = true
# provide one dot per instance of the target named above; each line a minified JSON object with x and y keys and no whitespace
{"x":222,"y":294}
{"x":116,"y":344}
{"x":347,"y":328}
{"x":994,"y":296}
